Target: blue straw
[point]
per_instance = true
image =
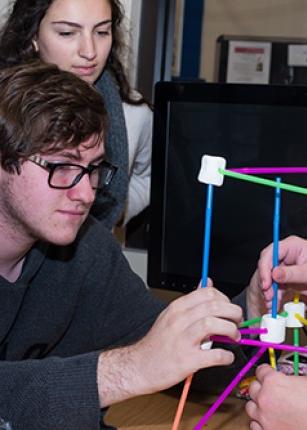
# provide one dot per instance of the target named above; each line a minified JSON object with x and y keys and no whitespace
{"x":207,"y":234}
{"x":276,"y":223}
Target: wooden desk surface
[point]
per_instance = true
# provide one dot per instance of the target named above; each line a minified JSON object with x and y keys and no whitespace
{"x":156,"y":412}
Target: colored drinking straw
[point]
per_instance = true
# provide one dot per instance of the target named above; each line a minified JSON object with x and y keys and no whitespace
{"x":276,"y":223}
{"x":250,"y":322}
{"x":301,"y":319}
{"x":253,"y":330}
{"x":229,"y":388}
{"x":272,"y":358}
{"x":259,"y":343}
{"x":182,"y":402}
{"x":207,"y":235}
{"x":204,"y":280}
{"x":269,"y":170}
{"x":262,"y":181}
{"x":296,"y":342}
{"x":257,"y":320}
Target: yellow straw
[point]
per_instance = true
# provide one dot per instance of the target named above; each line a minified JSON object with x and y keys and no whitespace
{"x":301,"y":319}
{"x":272,"y":358}
{"x":298,"y":316}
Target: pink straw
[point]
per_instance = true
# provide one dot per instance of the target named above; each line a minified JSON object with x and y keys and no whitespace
{"x":269,"y":170}
{"x":252,"y":342}
{"x":229,"y":388}
{"x":253,"y":330}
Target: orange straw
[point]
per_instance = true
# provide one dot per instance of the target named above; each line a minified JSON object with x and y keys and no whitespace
{"x":182,"y":402}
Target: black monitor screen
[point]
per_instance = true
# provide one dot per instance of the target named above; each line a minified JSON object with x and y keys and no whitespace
{"x":250,"y":126}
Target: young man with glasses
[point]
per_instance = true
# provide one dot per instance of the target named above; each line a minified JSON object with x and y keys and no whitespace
{"x":78,"y":329}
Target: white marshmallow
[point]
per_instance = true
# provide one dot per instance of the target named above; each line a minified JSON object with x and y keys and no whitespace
{"x":294,"y":308}
{"x":209,"y":171}
{"x":206,"y":345}
{"x":276,"y":328}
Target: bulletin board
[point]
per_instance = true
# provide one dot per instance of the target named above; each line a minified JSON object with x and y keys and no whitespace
{"x":261,"y":60}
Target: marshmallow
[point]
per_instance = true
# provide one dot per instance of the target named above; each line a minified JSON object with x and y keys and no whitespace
{"x":206,"y":345}
{"x":209,"y":171}
{"x":293,"y":308}
{"x":276,"y":328}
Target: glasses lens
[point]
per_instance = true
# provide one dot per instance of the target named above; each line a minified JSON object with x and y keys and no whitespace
{"x":68,"y":175}
{"x":106,"y":173}
{"x":64,"y":175}
{"x":94,"y":178}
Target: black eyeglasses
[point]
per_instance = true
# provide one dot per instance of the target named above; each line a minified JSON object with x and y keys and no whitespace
{"x":67,"y":175}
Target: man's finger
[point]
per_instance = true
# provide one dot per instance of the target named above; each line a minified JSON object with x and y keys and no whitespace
{"x":296,"y":274}
{"x":262,"y":371}
{"x":254,"y":389}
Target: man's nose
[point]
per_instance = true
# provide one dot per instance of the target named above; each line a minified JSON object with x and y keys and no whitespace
{"x":83,"y":191}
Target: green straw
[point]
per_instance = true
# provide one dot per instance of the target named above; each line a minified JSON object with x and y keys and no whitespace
{"x":262,"y":181}
{"x":250,"y":322}
{"x":258,"y":319}
{"x":296,"y":342}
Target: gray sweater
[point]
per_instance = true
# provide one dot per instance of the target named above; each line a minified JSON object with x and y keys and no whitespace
{"x":68,"y":304}
{"x":110,"y":204}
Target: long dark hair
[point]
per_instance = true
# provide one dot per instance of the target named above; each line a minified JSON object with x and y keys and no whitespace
{"x":23,"y":24}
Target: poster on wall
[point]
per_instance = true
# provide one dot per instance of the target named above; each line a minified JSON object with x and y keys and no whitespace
{"x":249,"y":62}
{"x":297,"y":55}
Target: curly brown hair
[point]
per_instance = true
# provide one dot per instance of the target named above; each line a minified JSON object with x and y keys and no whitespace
{"x":44,"y":109}
{"x":23,"y":24}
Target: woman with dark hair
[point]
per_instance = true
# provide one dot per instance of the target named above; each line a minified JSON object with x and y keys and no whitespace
{"x":85,"y":37}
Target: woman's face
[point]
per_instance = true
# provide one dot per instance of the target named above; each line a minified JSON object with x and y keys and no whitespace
{"x":76,"y":35}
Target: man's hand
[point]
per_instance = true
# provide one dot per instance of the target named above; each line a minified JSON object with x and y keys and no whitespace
{"x":277,"y":401}
{"x":171,"y":349}
{"x":291,"y":275}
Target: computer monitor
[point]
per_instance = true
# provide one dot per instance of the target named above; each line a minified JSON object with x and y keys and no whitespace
{"x":249,"y":125}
